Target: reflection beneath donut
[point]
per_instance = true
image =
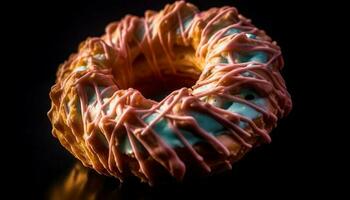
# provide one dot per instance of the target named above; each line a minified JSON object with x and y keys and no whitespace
{"x":83,"y":183}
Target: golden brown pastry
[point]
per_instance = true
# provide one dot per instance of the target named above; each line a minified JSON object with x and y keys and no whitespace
{"x":176,"y":93}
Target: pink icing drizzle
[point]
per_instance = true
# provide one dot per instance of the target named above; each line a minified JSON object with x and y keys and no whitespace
{"x":117,"y":112}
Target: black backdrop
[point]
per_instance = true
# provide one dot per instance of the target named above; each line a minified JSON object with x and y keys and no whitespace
{"x":48,"y":32}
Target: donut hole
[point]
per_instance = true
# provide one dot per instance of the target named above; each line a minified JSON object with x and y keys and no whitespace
{"x":157,"y":89}
{"x":181,"y":70}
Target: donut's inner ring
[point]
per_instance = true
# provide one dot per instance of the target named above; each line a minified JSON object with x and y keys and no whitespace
{"x":187,"y":72}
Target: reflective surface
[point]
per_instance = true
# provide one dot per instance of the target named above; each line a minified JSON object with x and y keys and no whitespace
{"x":82,"y":183}
{"x":250,"y":174}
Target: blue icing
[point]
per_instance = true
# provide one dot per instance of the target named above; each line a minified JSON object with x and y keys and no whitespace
{"x":125,"y":146}
{"x":203,"y":88}
{"x":106,"y":94}
{"x":91,"y":93}
{"x":246,"y":110}
{"x":242,"y":124}
{"x":256,"y":56}
{"x":232,"y":31}
{"x":250,"y":35}
{"x":186,"y":23}
{"x":162,"y":128}
{"x":247,"y":74}
{"x":165,"y":132}
{"x":80,"y":68}
{"x":205,"y":121}
{"x":100,"y":57}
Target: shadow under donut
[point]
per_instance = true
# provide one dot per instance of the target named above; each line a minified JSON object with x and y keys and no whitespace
{"x":83,"y":183}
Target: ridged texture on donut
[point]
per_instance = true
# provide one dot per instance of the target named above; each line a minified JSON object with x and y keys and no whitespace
{"x":95,"y":109}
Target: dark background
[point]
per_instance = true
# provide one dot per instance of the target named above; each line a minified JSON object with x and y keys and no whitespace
{"x":46,"y":33}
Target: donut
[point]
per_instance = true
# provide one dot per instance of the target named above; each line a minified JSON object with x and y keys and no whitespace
{"x":175,"y":94}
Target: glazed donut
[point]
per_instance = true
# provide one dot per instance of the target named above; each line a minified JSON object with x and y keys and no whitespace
{"x":178,"y":93}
